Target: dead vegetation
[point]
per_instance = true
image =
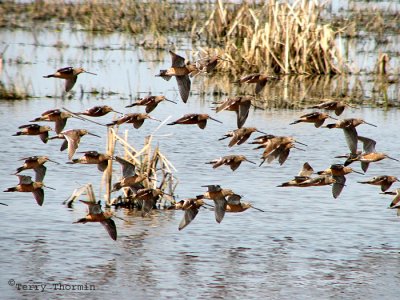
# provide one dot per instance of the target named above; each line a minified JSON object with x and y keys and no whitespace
{"x":149,"y":161}
{"x":273,"y":37}
{"x":280,"y":38}
{"x":12,"y":92}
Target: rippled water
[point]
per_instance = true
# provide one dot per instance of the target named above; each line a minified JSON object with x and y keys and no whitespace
{"x":305,"y":245}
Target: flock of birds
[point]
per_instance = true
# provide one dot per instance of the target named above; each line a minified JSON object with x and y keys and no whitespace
{"x":225,"y":200}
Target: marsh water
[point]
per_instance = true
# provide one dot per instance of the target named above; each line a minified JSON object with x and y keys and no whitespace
{"x":305,"y":245}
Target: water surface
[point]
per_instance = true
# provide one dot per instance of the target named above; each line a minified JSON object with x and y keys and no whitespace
{"x":306,"y":245}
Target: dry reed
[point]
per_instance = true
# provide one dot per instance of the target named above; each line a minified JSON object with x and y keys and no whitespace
{"x":12,"y":92}
{"x":276,"y":37}
{"x":148,"y":161}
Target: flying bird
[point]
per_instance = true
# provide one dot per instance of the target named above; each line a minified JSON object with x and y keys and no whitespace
{"x":350,"y":132}
{"x":96,"y":214}
{"x":150,"y":102}
{"x":384,"y":181}
{"x":241,"y":105}
{"x":70,"y":75}
{"x":72,"y":139}
{"x":93,"y":157}
{"x":233,"y":161}
{"x":305,"y":173}
{"x":35,"y":129}
{"x":199,"y":119}
{"x":259,"y":79}
{"x":136,"y":119}
{"x":337,"y":106}
{"x":369,"y":155}
{"x":181,"y":71}
{"x":317,"y":118}
{"x":190,"y":207}
{"x":338,"y":172}
{"x":26,"y":185}
{"x":98,"y":111}
{"x":54,"y":115}
{"x":220,"y":197}
{"x":37,"y":164}
{"x":239,"y":136}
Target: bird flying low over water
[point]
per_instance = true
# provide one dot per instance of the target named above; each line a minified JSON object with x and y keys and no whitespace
{"x":128,"y":168}
{"x":134,"y":182}
{"x":317,"y":118}
{"x":181,"y":71}
{"x":239,"y":136}
{"x":259,"y":79}
{"x":137,"y":119}
{"x":72,"y":139}
{"x":337,"y":106}
{"x":220,"y":197}
{"x":368,"y":156}
{"x":320,"y":180}
{"x":305,"y":173}
{"x":281,"y":152}
{"x":70,"y":75}
{"x":96,"y":214}
{"x":240,"y":105}
{"x":27,"y":185}
{"x":93,"y":157}
{"x":35,"y":129}
{"x":199,"y":119}
{"x":148,"y":197}
{"x":190,"y":207}
{"x":206,"y":64}
{"x":395,"y":204}
{"x":350,"y":132}
{"x":55,"y":115}
{"x":338,"y":172}
{"x":277,"y":147}
{"x":233,"y":161}
{"x":150,"y":102}
{"x":98,"y":111}
{"x":37,"y":164}
{"x":384,"y":181}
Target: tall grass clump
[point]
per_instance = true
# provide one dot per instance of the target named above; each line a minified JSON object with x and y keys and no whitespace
{"x":12,"y":92}
{"x":274,"y":37}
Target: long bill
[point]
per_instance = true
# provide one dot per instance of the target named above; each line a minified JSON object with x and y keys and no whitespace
{"x":370,"y":124}
{"x":392,"y":158}
{"x":170,"y":101}
{"x":89,"y":72}
{"x":151,"y":118}
{"x":89,"y":133}
{"x":250,"y":161}
{"x":259,"y":209}
{"x":298,"y":148}
{"x":301,"y":143}
{"x":49,"y":187}
{"x":211,"y":118}
{"x":358,"y":172}
{"x":53,"y":161}
{"x":262,"y":132}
